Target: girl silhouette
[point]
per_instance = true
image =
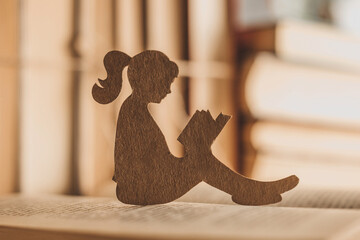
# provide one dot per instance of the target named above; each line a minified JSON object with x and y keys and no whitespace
{"x":145,"y":170}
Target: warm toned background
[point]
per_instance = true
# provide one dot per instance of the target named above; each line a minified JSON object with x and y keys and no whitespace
{"x":287,"y":71}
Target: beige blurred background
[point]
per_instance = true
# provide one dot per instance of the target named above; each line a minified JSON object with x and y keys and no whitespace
{"x":286,"y":71}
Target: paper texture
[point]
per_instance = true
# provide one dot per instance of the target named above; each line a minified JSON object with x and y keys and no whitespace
{"x":304,"y":197}
{"x":322,"y":198}
{"x":178,"y":220}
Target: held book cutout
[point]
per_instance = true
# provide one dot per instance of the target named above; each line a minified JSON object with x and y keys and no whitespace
{"x":145,"y":171}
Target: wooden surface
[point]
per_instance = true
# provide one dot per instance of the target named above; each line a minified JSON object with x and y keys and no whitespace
{"x":145,"y":170}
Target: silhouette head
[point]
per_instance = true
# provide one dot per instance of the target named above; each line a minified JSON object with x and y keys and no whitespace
{"x":151,"y":74}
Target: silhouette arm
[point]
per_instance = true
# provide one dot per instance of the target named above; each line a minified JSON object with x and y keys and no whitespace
{"x":202,"y":130}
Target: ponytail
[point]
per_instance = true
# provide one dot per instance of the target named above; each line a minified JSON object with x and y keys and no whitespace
{"x":109,"y":89}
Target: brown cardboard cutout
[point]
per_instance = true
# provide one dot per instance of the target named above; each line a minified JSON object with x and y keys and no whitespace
{"x":145,"y":170}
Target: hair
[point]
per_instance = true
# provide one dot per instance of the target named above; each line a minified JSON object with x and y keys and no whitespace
{"x":150,"y":65}
{"x":143,"y":68}
{"x":109,"y":89}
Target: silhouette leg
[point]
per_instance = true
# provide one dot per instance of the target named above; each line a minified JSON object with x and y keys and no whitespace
{"x":245,"y":191}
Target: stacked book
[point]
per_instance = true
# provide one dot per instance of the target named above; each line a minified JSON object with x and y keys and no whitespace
{"x":300,"y":104}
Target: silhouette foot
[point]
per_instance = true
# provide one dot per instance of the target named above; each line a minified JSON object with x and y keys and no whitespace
{"x":261,"y":193}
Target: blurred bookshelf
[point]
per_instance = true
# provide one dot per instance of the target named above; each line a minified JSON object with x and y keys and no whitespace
{"x":286,"y":72}
{"x":56,"y":138}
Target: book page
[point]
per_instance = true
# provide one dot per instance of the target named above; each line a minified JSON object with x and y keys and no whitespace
{"x":301,"y":196}
{"x":321,"y":198}
{"x":109,"y":218}
{"x":205,"y":193}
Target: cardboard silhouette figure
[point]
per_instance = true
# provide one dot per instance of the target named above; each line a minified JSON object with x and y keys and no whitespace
{"x":145,"y":170}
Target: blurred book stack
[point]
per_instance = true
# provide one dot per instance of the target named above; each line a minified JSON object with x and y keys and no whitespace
{"x":9,"y":27}
{"x":45,"y":103}
{"x":300,"y":103}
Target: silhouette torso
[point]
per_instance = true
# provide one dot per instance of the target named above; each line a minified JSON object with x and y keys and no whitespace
{"x":143,"y":159}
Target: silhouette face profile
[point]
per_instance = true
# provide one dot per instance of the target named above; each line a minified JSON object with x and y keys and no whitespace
{"x":163,"y":89}
{"x":151,"y":74}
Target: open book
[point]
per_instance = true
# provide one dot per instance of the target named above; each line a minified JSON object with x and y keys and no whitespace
{"x":64,"y":217}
